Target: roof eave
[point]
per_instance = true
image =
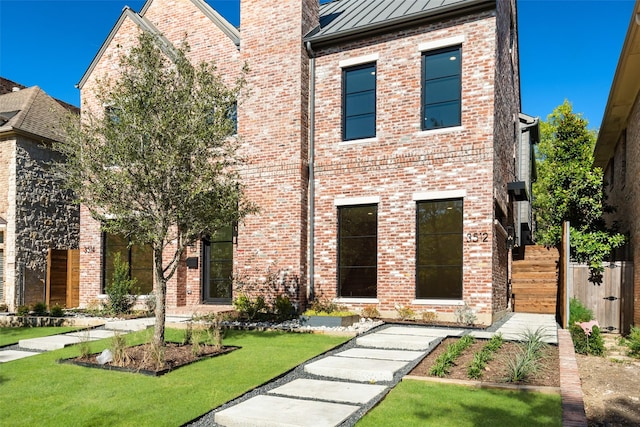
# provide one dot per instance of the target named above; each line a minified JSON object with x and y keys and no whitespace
{"x":450,"y":11}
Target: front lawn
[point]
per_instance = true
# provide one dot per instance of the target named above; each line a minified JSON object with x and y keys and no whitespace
{"x":420,"y":403}
{"x":38,"y":391}
{"x":10,"y":336}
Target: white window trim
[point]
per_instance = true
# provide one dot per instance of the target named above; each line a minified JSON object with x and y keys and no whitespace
{"x":348,"y":201}
{"x":454,"y":302}
{"x":359,"y":141}
{"x":357,"y":300}
{"x":358,"y":60}
{"x":438,"y":195}
{"x":440,"y":131}
{"x":440,"y":43}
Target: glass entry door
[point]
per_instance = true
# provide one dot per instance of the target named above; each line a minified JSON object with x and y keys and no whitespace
{"x":218,"y":267}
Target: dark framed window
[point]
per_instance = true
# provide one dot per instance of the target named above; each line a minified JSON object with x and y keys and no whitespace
{"x":439,"y":249}
{"x":218,"y":266}
{"x":359,"y":102}
{"x":357,"y":251}
{"x":139,"y":257}
{"x":441,"y":88}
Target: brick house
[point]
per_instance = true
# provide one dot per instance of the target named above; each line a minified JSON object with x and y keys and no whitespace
{"x":617,"y":152}
{"x":385,"y":170}
{"x":36,"y":212}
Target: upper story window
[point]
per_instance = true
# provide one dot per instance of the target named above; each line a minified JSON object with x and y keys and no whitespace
{"x":359,"y":102}
{"x":441,"y":88}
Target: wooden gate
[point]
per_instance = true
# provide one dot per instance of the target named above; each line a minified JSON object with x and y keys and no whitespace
{"x":609,"y":299}
{"x":63,"y":278}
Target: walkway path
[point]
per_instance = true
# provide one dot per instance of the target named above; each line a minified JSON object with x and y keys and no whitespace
{"x":338,"y":388}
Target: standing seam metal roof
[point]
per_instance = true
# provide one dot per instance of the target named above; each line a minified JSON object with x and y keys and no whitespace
{"x":349,"y":16}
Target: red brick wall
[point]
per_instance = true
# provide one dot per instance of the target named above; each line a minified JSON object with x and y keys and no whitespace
{"x":402,"y":160}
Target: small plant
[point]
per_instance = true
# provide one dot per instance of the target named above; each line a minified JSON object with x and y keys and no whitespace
{"x":196,"y":342}
{"x":4,"y":308}
{"x":445,"y":361}
{"x":216,"y":330}
{"x":119,"y":349}
{"x":150,"y":302}
{"x":633,"y":342}
{"x":429,"y":316}
{"x":522,"y":365}
{"x":533,"y":340}
{"x":57,"y":311}
{"x":370,"y":311}
{"x":119,"y":290}
{"x":188,"y":334}
{"x":39,"y":309}
{"x":155,"y":355}
{"x":326,"y":306}
{"x":23,"y":310}
{"x":465,"y":315}
{"x":405,"y":313}
{"x":588,"y":342}
{"x":83,"y":345}
{"x":283,"y":308}
{"x":249,"y":307}
{"x":481,"y":358}
{"x":578,"y":312}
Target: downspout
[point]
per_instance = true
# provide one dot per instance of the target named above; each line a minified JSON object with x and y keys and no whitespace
{"x":312,"y":116}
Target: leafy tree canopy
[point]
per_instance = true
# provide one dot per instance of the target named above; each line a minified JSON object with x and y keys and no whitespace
{"x":570,"y":189}
{"x":159,"y":164}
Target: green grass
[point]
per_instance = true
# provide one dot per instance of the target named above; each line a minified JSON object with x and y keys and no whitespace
{"x":10,"y":336}
{"x":38,"y":391}
{"x":419,"y":403}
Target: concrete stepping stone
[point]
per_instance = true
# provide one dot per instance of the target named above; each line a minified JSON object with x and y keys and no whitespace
{"x":362,"y":370}
{"x":274,"y":411}
{"x":10,"y":355}
{"x":374,"y":353}
{"x":54,"y":342}
{"x":333,"y":391}
{"x":398,"y":342}
{"x":130,"y":325}
{"x":93,"y":335}
{"x":421,"y":331}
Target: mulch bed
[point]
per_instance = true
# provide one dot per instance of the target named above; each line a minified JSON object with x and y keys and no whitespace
{"x":139,"y":360}
{"x":495,"y":371}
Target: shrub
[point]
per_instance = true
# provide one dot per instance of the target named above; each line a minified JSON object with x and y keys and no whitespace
{"x":429,"y":316}
{"x":370,"y":311}
{"x":57,"y":311}
{"x":405,"y":313}
{"x":633,"y":342}
{"x":465,"y":315}
{"x":119,"y":290}
{"x":216,"y":330}
{"x":523,"y":364}
{"x":39,"y":309}
{"x":248,"y":307}
{"x":83,"y":345}
{"x":23,"y":310}
{"x":326,"y":306}
{"x":4,"y":308}
{"x":578,"y":312}
{"x":119,"y":349}
{"x":591,"y":344}
{"x":283,"y":309}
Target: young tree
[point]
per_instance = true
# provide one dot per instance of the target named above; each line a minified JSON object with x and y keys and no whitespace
{"x":160,"y":163}
{"x":570,"y":189}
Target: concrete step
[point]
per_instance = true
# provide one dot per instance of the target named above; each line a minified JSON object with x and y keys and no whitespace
{"x":374,"y":353}
{"x":331,"y":391}
{"x":353,"y":369}
{"x":56,"y":342}
{"x":10,"y":355}
{"x":400,"y":342}
{"x":275,"y":411}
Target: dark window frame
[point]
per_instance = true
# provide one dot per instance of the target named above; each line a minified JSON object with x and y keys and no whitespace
{"x":419,"y":238}
{"x":424,"y":104}
{"x":127,"y":257}
{"x":341,"y":239}
{"x":206,"y":245}
{"x":346,"y":94}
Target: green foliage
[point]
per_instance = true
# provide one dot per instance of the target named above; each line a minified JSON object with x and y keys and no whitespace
{"x":119,"y":290}
{"x":249,"y":307}
{"x":591,"y":344}
{"x":405,"y":313}
{"x":160,"y":165}
{"x":445,"y":361}
{"x":568,"y":188}
{"x":633,"y":342}
{"x":57,"y":311}
{"x":23,"y":310}
{"x":4,"y":308}
{"x":521,"y":365}
{"x":465,"y":315}
{"x":578,"y":312}
{"x":370,"y":311}
{"x":481,"y":358}
{"x":283,"y":308}
{"x":39,"y":309}
{"x":325,"y":306}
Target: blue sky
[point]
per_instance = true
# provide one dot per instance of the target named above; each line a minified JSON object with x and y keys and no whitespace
{"x":569,"y":49}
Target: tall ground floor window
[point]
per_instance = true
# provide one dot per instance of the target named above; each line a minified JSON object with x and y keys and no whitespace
{"x":218,"y":266}
{"x":357,"y":251}
{"x":439,"y":249}
{"x":139,"y":257}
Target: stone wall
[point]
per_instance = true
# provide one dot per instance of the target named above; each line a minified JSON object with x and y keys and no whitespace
{"x":46,"y":218}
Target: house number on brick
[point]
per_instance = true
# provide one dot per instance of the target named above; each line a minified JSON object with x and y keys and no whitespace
{"x":483,"y":237}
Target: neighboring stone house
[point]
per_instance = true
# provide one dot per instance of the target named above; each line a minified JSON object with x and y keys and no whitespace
{"x":617,"y":152}
{"x":383,"y":141}
{"x":36,"y":212}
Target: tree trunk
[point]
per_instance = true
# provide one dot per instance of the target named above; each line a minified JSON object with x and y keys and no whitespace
{"x":160,"y":286}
